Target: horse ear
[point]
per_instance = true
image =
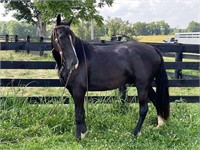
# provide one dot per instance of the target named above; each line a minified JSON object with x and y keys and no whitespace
{"x":58,"y":21}
{"x":70,"y":21}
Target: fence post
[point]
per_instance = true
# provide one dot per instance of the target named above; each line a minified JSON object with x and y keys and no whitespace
{"x":7,"y":38}
{"x":28,"y":39}
{"x":41,"y":40}
{"x":178,"y":58}
{"x":16,"y":40}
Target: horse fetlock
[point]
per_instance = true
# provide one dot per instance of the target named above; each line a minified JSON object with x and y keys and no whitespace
{"x":135,"y":132}
{"x":161,"y":121}
{"x":81,"y":131}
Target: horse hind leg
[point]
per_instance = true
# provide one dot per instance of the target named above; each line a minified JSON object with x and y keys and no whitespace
{"x":143,"y":107}
{"x":122,"y":93}
{"x":152,"y":98}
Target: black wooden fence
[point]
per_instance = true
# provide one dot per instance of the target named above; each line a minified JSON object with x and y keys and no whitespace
{"x":178,"y":65}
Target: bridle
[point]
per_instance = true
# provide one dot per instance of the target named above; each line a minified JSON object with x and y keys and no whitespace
{"x":55,"y":37}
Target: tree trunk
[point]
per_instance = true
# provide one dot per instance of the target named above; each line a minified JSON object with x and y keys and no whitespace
{"x":41,"y":26}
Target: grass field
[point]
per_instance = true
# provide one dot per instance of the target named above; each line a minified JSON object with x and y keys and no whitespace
{"x":153,"y":38}
{"x":50,"y":127}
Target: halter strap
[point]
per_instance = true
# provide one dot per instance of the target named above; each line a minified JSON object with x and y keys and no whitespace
{"x":56,"y":40}
{"x":60,"y":26}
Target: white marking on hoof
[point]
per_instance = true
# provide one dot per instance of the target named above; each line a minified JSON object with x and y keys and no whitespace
{"x":161,"y":121}
{"x":83,"y":135}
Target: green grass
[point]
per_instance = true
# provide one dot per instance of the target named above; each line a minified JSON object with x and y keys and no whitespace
{"x":23,"y":56}
{"x":25,"y":126}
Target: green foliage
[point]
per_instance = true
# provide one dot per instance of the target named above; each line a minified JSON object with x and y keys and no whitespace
{"x":17,"y":28}
{"x":81,"y":10}
{"x":118,"y":26}
{"x":158,"y":28}
{"x":25,"y":10}
{"x":83,"y":30}
{"x":51,"y":126}
{"x":193,"y":27}
{"x":3,"y":27}
{"x":39,"y":12}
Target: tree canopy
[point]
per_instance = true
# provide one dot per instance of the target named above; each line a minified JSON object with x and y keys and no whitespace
{"x":28,"y":10}
{"x":193,"y":27}
{"x":81,"y":10}
{"x":41,"y":12}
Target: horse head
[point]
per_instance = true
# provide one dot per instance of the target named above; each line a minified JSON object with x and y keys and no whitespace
{"x":63,"y":42}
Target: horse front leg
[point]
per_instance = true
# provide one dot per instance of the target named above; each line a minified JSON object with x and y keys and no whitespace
{"x":81,"y":128}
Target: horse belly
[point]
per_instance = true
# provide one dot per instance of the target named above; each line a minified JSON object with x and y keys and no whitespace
{"x":107,"y":80}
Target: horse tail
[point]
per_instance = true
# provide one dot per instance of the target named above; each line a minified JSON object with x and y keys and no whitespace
{"x":162,"y":90}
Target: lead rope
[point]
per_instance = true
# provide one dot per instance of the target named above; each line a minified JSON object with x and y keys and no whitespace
{"x":68,"y":77}
{"x":61,"y":98}
{"x":86,"y":74}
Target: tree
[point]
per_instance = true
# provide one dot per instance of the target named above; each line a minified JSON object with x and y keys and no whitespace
{"x":193,"y":27}
{"x":41,"y":12}
{"x":17,"y":28}
{"x":117,"y":26}
{"x":26,"y":11}
{"x":3,"y":28}
{"x":140,"y":28}
{"x":81,"y":10}
{"x":114,"y":26}
{"x":158,"y":28}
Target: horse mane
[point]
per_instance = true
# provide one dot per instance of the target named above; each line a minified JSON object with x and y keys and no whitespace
{"x":82,"y":47}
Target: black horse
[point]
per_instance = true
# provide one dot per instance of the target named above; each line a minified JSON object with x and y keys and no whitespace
{"x":82,"y":66}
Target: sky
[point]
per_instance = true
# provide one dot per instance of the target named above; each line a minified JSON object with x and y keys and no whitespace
{"x":177,"y":13}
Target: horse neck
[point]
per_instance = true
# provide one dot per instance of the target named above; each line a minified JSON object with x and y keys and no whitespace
{"x":82,"y":48}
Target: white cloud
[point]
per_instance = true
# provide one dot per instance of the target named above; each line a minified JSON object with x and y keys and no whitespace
{"x":176,"y":13}
{"x":7,"y":17}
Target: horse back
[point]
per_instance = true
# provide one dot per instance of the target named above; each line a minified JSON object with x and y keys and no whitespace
{"x":112,"y":66}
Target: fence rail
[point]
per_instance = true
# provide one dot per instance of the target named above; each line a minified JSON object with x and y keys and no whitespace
{"x":56,"y":83}
{"x":51,"y":65}
{"x":177,"y":49}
